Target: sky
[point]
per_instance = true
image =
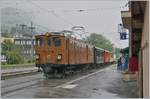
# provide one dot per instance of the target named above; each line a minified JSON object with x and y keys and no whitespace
{"x":95,"y":16}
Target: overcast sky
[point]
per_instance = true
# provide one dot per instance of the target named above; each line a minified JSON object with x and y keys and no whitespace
{"x":95,"y":16}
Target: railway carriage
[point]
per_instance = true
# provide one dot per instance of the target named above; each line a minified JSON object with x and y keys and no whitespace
{"x":99,"y":55}
{"x":59,"y":54}
{"x":107,"y":56}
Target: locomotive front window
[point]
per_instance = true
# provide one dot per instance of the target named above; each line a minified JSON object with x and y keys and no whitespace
{"x":40,"y":42}
{"x":37,"y":42}
{"x":49,"y":42}
{"x":57,"y":41}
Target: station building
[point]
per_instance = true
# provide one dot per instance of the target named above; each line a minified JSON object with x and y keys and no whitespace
{"x":26,"y":44}
{"x":136,"y":20}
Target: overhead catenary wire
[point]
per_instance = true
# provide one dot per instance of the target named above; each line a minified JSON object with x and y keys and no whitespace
{"x":56,"y":15}
{"x":30,"y":20}
{"x":42,"y":27}
{"x":53,"y":13}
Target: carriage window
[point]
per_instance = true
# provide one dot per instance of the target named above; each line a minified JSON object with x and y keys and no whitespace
{"x":49,"y":42}
{"x":57,"y":41}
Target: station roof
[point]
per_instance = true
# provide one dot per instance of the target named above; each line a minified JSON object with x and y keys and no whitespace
{"x":134,"y":20}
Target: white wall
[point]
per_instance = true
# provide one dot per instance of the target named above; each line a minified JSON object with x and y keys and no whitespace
{"x":145,"y":52}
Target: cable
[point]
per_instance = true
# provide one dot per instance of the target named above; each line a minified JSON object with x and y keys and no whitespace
{"x":29,"y":20}
{"x":35,"y":23}
{"x":53,"y":13}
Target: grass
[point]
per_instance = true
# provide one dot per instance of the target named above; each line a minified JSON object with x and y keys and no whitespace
{"x":17,"y":65}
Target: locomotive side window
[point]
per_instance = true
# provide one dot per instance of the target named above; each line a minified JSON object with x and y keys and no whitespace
{"x":57,"y":41}
{"x":49,"y":42}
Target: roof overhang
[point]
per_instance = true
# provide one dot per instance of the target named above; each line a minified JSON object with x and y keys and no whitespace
{"x":126,"y":19}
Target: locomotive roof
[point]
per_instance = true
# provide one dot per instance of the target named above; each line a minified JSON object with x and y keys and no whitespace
{"x":99,"y":48}
{"x":57,"y":33}
{"x":53,"y":33}
{"x":102,"y":49}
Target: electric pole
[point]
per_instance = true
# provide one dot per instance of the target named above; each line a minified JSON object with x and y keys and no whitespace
{"x":32,"y":40}
{"x":22,"y":27}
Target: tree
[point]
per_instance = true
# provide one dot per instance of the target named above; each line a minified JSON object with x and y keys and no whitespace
{"x":117,"y":52}
{"x":14,"y":57}
{"x":7,"y":46}
{"x":100,"y":41}
{"x":12,"y":52}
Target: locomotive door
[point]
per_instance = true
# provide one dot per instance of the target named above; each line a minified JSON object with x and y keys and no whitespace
{"x":57,"y":50}
{"x":87,"y":54}
{"x":50,"y":50}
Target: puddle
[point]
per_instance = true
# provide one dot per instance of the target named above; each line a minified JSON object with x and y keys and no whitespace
{"x":69,"y":86}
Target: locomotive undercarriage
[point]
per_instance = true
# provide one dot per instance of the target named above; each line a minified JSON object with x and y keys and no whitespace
{"x":63,"y":70}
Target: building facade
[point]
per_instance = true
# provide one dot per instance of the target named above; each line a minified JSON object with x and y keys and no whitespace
{"x":26,"y":45}
{"x":137,"y":21}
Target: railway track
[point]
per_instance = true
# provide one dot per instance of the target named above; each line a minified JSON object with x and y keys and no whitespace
{"x":36,"y":80}
{"x":8,"y":75}
{"x":19,"y":83}
{"x":15,"y":85}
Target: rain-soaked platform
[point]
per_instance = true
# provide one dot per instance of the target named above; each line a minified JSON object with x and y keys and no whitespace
{"x":102,"y":83}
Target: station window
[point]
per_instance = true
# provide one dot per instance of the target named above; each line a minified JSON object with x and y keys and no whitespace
{"x":57,"y":41}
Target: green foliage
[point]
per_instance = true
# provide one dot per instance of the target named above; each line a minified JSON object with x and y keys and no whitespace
{"x":117,"y":52}
{"x":100,"y":41}
{"x":12,"y":52}
{"x":14,"y":57}
{"x":7,"y":46}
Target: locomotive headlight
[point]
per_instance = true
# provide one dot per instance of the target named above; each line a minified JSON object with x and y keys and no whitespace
{"x":59,"y":57}
{"x":37,"y":56}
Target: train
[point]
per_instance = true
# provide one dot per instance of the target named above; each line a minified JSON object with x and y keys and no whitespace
{"x":57,"y":54}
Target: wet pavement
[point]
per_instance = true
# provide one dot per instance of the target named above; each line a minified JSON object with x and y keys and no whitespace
{"x":98,"y":83}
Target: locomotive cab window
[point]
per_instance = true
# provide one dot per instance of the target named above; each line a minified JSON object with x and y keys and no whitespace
{"x":57,"y":41}
{"x":49,"y":42}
